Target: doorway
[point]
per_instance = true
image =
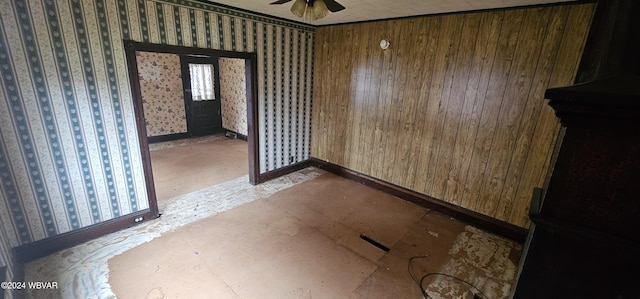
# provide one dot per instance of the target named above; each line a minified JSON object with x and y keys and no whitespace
{"x":200,"y":79}
{"x":250,"y":59}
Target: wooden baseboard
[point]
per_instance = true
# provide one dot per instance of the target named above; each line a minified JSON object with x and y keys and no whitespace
{"x":267,"y":176}
{"x":478,"y":220}
{"x":44,"y":247}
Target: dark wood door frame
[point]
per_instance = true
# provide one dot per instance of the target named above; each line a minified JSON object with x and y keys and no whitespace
{"x":251,"y":72}
{"x":185,"y":60}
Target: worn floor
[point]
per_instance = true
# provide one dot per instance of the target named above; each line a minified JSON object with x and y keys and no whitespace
{"x":298,"y":236}
{"x":187,"y":165}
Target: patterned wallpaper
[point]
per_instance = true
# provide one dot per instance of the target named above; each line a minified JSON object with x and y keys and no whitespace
{"x":69,"y":153}
{"x":162,"y":94}
{"x":233,"y":94}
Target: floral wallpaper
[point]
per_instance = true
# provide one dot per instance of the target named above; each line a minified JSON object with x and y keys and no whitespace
{"x":233,"y":94}
{"x":162,"y":94}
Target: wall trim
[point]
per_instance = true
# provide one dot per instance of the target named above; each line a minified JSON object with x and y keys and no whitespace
{"x":478,"y":220}
{"x":35,"y":250}
{"x":270,"y":175}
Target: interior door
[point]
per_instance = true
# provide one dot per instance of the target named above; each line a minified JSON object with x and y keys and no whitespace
{"x":201,"y":95}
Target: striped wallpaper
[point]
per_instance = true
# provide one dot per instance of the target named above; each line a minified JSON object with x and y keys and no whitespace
{"x":69,"y":153}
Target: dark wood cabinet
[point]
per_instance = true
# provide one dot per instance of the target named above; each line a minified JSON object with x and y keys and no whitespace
{"x":584,"y":241}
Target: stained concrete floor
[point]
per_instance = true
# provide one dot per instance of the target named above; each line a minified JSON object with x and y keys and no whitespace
{"x":294,"y":237}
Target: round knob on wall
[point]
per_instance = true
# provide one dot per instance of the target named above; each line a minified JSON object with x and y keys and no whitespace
{"x":384,"y":44}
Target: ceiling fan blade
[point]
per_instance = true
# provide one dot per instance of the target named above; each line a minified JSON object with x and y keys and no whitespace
{"x":333,"y":6}
{"x":280,"y":2}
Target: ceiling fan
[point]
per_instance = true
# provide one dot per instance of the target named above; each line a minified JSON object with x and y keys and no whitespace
{"x":312,"y":10}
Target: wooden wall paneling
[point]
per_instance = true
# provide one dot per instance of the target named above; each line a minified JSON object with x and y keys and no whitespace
{"x":425,"y":105}
{"x":369,"y":96}
{"x":434,"y":115}
{"x":485,"y":54}
{"x":372,"y":67}
{"x":332,"y":63}
{"x":343,"y":68}
{"x":387,"y":101}
{"x":454,"y":109}
{"x":514,"y":101}
{"x":564,"y":70}
{"x":425,"y":60}
{"x":456,"y":102}
{"x":319,"y":132}
{"x":414,"y":45}
{"x":354,"y":101}
{"x":489,"y":116}
{"x":573,"y":41}
{"x":401,"y":122}
{"x":506,"y":126}
{"x":529,"y":158}
{"x":324,"y":80}
{"x":479,"y":74}
{"x":519,"y":104}
{"x":394,"y":100}
{"x":449,"y":49}
{"x":385,"y":104}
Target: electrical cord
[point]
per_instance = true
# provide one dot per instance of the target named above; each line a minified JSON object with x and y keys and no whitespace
{"x":421,"y":281}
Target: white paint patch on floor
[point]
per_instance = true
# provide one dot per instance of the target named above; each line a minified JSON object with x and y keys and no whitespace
{"x":82,"y":271}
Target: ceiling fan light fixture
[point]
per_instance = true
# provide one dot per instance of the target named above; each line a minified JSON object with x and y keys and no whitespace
{"x":309,"y":16}
{"x":320,"y":9}
{"x":298,"y":8}
{"x":311,"y":10}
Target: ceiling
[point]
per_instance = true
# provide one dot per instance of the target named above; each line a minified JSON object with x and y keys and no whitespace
{"x":365,"y":10}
